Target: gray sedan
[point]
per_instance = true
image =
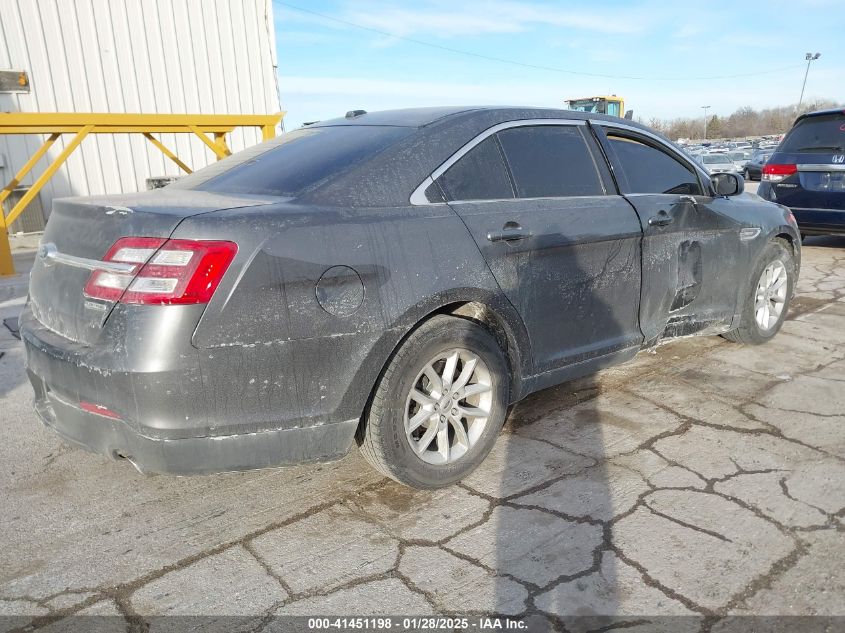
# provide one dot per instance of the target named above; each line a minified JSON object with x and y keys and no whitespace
{"x":396,"y":279}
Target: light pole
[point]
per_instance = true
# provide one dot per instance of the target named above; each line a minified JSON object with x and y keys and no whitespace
{"x":810,"y":58}
{"x":705,"y":108}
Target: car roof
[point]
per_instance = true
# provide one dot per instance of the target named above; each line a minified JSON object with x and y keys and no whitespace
{"x":422,"y":117}
{"x":807,"y":115}
{"x":405,"y":117}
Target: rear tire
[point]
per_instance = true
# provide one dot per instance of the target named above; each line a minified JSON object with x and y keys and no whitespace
{"x":429,"y":439}
{"x":767,"y":297}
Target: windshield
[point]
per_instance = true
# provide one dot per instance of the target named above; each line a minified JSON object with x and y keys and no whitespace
{"x":825,"y":133}
{"x":295,"y":161}
{"x":585,"y":105}
{"x":714,"y":159}
{"x":739,"y":155}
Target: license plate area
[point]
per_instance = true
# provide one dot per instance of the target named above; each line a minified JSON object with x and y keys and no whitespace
{"x":824,"y":181}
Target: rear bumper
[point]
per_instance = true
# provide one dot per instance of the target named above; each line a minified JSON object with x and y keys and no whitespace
{"x":820,"y":221}
{"x":166,"y":417}
{"x":190,"y":456}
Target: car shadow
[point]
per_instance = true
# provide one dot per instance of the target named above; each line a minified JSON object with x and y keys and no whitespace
{"x":558,"y":502}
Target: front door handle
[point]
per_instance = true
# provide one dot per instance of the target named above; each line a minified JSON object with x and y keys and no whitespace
{"x":511,"y":232}
{"x":661,"y":219}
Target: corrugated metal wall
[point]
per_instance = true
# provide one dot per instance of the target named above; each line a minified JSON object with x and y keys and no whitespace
{"x":148,"y":56}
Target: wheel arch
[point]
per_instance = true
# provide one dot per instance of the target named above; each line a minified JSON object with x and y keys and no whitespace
{"x":788,"y":238}
{"x":491,"y":312}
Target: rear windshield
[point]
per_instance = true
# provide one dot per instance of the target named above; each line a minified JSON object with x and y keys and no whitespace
{"x":824,"y":133}
{"x":295,"y":161}
{"x":715,"y":159}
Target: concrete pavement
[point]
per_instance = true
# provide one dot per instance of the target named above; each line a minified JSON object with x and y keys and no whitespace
{"x":705,"y":479}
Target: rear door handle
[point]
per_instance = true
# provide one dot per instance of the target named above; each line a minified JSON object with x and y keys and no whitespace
{"x":509,"y":234}
{"x":661,"y":219}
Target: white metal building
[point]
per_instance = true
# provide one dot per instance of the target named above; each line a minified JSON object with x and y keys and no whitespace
{"x":144,"y":56}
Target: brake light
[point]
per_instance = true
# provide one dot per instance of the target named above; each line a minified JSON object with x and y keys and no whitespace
{"x":775,"y":173}
{"x":163,"y":271}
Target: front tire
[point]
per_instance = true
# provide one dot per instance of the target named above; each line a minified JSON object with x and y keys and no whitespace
{"x":439,"y":405}
{"x":767,"y":299}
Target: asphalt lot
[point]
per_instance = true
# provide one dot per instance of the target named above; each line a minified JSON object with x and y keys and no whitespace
{"x":706,"y":478}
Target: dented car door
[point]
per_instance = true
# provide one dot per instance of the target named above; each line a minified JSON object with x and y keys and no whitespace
{"x":689,"y":248}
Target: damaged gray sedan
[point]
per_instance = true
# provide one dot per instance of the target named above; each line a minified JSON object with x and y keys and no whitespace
{"x":398,"y":278}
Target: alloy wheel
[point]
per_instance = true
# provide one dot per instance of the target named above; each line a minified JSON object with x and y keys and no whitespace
{"x":448,"y":406}
{"x":770,"y":297}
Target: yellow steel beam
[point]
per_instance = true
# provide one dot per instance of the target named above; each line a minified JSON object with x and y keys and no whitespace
{"x":7,"y":264}
{"x":48,"y":173}
{"x":167,"y":152}
{"x":83,"y":124}
{"x":220,"y":140}
{"x":108,"y":123}
{"x":25,"y":170}
{"x":215,"y":147}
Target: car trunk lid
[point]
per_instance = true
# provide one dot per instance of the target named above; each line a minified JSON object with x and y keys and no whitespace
{"x":79,"y":233}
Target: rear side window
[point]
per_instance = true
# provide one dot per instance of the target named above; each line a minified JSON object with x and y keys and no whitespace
{"x":650,"y":170}
{"x":824,"y":133}
{"x":478,"y":175}
{"x":550,"y":161}
{"x":295,"y":161}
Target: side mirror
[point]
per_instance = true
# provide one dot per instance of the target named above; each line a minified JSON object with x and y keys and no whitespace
{"x":727,"y":184}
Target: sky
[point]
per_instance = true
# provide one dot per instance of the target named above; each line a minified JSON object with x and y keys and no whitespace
{"x":666,"y":58}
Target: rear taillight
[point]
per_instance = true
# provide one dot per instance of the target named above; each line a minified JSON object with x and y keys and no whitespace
{"x":774,"y":173}
{"x":164,"y":271}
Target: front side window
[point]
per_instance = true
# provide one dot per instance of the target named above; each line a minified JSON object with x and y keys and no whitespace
{"x":650,"y":170}
{"x":480,"y":174}
{"x":549,"y":161}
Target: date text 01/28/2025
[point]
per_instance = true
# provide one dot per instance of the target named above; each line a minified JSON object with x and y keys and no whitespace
{"x":416,"y":623}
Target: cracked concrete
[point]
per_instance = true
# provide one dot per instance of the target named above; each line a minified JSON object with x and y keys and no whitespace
{"x":705,"y":478}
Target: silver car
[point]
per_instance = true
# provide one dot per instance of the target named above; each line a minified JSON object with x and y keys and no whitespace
{"x":718,"y":164}
{"x":739,"y":157}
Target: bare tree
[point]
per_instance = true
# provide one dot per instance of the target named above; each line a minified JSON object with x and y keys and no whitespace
{"x":746,"y":121}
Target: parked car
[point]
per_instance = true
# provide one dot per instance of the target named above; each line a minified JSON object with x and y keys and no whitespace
{"x":718,"y":163}
{"x":739,"y":158}
{"x":807,"y":172}
{"x":396,"y":278}
{"x":754,"y":168}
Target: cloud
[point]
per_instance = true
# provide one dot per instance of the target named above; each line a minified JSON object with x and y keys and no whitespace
{"x":690,"y":30}
{"x":474,"y":17}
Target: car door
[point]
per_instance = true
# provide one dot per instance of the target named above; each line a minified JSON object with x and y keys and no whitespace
{"x":690,"y":242}
{"x":563,"y":248}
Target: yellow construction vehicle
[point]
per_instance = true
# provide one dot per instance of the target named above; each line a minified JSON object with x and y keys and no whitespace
{"x":612,"y":105}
